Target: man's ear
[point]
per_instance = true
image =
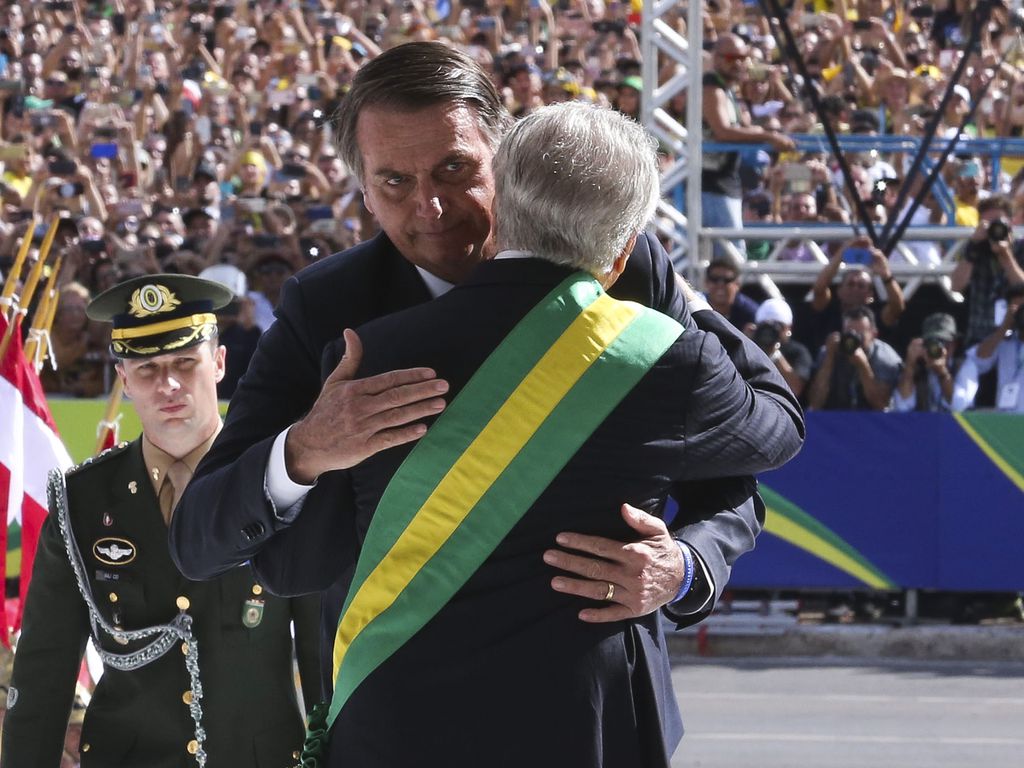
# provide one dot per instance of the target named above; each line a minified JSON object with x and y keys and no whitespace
{"x":619,"y":265}
{"x":623,"y":257}
{"x":119,"y":369}
{"x":366,"y":201}
{"x":219,"y":357}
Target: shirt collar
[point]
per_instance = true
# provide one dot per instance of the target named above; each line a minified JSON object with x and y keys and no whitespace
{"x":438,"y":287}
{"x":158,"y":460}
{"x":435,"y":285}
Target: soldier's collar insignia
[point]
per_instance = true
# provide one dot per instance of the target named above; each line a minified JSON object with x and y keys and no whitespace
{"x":152,"y":299}
{"x":111,"y":551}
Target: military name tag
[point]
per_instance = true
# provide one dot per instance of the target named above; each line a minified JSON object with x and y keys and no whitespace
{"x":111,"y":551}
{"x":252,"y":613}
{"x":122,"y":577}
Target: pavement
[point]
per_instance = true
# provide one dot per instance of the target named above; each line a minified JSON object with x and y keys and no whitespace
{"x":763,"y":630}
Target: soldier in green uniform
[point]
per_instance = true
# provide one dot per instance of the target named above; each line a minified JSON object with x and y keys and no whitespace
{"x":195,"y":673}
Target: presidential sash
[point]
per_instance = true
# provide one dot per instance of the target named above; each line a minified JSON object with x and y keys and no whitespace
{"x":486,"y":459}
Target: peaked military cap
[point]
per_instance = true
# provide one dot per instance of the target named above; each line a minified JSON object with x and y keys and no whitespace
{"x":158,"y":314}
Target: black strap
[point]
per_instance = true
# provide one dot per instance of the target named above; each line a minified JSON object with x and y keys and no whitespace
{"x":773,"y":10}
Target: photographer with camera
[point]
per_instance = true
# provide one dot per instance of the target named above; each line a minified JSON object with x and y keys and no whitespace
{"x":926,"y":383}
{"x":1003,"y":349}
{"x":990,"y":264}
{"x":773,"y":333}
{"x":856,"y":370}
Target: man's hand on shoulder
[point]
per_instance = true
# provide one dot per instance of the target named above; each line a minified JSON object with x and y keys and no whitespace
{"x":354,"y":419}
{"x":636,"y":578}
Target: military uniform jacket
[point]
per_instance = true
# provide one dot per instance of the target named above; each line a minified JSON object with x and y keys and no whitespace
{"x":141,"y":717}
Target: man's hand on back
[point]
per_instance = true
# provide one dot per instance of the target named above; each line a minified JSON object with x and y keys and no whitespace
{"x":353,"y":419}
{"x":644,"y":574}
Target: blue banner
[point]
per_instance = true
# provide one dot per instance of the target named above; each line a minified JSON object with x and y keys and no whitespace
{"x":894,"y":501}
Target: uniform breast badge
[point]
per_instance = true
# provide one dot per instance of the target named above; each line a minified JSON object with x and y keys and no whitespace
{"x":252,"y":613}
{"x":111,"y":551}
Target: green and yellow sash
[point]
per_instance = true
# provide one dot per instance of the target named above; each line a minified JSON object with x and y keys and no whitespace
{"x":487,"y":458}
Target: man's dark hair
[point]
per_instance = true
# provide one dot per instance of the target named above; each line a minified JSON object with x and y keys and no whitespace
{"x":859,"y":313}
{"x":415,"y":76}
{"x":999,"y":203}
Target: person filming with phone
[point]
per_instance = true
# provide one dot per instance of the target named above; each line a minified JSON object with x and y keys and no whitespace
{"x":864,"y":269}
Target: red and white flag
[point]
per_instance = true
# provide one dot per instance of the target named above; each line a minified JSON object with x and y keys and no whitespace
{"x":29,"y":448}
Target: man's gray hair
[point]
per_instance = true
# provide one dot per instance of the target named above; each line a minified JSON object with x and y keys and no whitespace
{"x":573,"y":183}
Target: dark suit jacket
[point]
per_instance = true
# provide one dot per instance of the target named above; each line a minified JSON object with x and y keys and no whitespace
{"x":138,"y":719}
{"x":508,"y":649}
{"x":225,"y":517}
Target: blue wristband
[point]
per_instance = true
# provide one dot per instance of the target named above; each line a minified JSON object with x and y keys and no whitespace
{"x":688,"y":572}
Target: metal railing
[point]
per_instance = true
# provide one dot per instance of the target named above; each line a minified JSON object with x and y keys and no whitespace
{"x":773,"y":271}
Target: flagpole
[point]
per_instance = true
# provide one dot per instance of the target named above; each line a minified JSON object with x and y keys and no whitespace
{"x":51,"y":314}
{"x":30,"y":285}
{"x":42,"y":320}
{"x":109,"y":421}
{"x":7,"y":297}
{"x":37,"y":268}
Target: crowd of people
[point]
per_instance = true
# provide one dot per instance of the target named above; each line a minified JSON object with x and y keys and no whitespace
{"x":198,"y":138}
{"x":190,"y":136}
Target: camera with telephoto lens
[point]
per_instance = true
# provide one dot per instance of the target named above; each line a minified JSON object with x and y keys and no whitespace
{"x":767,"y":335}
{"x":998,"y":230}
{"x":850,"y":342}
{"x":934,"y":348}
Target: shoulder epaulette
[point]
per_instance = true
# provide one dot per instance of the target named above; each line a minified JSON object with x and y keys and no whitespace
{"x":99,"y":457}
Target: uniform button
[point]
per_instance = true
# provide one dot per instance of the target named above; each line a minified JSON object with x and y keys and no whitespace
{"x":184,"y":648}
{"x":182,"y":603}
{"x":192,"y":747}
{"x":257,"y":589}
{"x":187,"y":697}
{"x":86,"y":747}
{"x":113,"y":597}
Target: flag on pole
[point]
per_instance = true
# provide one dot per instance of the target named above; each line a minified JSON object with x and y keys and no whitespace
{"x":30,"y":448}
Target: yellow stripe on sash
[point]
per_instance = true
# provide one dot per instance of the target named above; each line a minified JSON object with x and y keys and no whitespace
{"x":484,"y":460}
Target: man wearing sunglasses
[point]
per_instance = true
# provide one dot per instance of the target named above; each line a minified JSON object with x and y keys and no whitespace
{"x":722,"y":288}
{"x":725,"y":121}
